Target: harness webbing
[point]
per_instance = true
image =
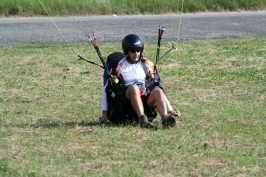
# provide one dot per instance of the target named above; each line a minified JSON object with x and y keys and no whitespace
{"x":145,"y":67}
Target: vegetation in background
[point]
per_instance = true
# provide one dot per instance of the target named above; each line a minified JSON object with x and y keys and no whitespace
{"x":50,"y":105}
{"x":122,"y":7}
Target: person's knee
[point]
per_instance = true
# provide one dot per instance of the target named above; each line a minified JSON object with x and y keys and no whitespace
{"x":132,"y":90}
{"x":158,"y":92}
{"x":155,"y":96}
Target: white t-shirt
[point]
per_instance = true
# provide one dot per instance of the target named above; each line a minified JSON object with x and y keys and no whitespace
{"x":133,"y":73}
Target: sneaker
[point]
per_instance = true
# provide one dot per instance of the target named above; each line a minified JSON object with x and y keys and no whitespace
{"x":164,"y":121}
{"x":168,"y":121}
{"x":144,"y":122}
{"x":171,"y":120}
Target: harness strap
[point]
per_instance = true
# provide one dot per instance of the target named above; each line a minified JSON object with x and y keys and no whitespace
{"x":145,"y":67}
{"x":150,"y":82}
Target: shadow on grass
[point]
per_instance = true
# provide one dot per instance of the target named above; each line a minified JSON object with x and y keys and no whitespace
{"x":55,"y":124}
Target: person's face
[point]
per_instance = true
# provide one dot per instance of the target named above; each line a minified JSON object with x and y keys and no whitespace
{"x":134,"y":55}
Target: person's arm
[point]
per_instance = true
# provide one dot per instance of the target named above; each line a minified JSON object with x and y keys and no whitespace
{"x":103,"y":118}
{"x":168,"y":105}
{"x":170,"y":109}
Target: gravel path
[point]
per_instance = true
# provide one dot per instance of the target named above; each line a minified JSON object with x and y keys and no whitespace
{"x":42,"y":31}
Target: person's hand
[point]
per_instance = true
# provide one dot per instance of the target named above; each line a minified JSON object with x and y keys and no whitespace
{"x":103,"y":119}
{"x":113,"y":79}
{"x":175,"y":113}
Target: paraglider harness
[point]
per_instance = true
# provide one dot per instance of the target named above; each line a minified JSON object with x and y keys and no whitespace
{"x":119,"y":108}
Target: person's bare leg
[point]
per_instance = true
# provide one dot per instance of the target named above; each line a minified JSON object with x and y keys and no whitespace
{"x":132,"y":93}
{"x":157,"y":98}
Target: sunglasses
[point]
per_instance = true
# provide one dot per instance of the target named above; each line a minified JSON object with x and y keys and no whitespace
{"x":134,"y":50}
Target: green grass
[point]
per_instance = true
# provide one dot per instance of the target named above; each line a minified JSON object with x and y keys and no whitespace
{"x":122,"y":7}
{"x":50,"y":104}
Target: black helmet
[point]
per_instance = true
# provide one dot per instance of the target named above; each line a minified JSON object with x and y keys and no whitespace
{"x":132,"y":41}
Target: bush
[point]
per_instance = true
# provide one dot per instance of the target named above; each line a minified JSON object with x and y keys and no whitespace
{"x":105,"y":7}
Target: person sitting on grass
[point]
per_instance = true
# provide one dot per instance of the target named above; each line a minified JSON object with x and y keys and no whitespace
{"x":133,"y":71}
